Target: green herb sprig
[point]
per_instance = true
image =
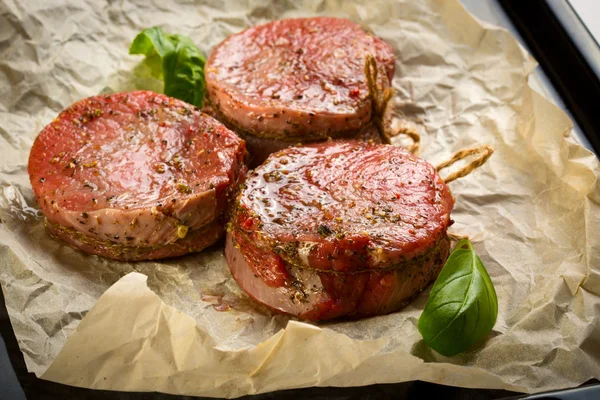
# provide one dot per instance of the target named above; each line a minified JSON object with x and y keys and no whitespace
{"x":462,"y":306}
{"x":176,"y":60}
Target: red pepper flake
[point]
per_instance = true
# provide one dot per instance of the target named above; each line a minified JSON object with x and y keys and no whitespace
{"x":354,"y":93}
{"x":247,"y":224}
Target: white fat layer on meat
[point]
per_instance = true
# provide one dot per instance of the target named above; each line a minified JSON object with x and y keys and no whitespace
{"x":304,"y":250}
{"x":377,"y":256}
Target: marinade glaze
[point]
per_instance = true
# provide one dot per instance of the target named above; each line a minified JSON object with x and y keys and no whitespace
{"x":339,"y":228}
{"x":135,"y":175}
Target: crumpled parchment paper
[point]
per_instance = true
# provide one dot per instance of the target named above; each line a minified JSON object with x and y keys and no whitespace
{"x":183,"y":326}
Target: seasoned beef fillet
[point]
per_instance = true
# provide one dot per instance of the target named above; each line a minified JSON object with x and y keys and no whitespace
{"x":340,"y":228}
{"x":135,"y":176}
{"x":296,"y":80}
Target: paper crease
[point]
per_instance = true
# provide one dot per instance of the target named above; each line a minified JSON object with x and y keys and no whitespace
{"x":532,"y":212}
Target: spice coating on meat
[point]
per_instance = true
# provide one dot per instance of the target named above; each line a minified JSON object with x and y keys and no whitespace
{"x":296,"y":79}
{"x":318,"y":295}
{"x":135,"y":169}
{"x":262,"y":148}
{"x":367,"y":222}
{"x":193,"y":241}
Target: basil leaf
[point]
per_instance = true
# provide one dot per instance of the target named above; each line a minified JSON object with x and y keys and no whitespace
{"x":184,"y":71}
{"x":462,"y":306}
{"x":176,"y":60}
{"x":151,"y":41}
